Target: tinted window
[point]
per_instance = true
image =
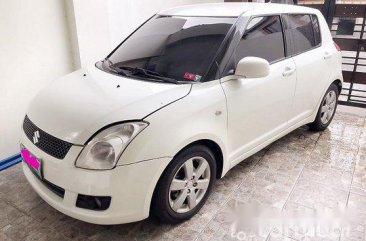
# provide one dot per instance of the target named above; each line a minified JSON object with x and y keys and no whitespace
{"x":316,"y":29}
{"x":263,"y":38}
{"x":182,"y":48}
{"x":299,"y":33}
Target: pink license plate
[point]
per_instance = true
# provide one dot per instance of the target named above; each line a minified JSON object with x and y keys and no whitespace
{"x":33,"y":162}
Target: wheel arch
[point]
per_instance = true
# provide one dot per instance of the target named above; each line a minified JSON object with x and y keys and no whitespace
{"x":338,"y":83}
{"x":215,"y":148}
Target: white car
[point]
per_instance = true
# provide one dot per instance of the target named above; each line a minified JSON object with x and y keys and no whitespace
{"x":191,"y":93}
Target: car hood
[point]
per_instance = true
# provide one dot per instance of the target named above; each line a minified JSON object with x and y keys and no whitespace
{"x":77,"y":105}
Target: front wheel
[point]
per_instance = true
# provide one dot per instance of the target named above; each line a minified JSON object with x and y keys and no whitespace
{"x":326,"y":110}
{"x":185,"y":185}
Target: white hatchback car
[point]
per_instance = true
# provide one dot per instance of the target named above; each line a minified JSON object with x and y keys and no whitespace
{"x":191,"y":93}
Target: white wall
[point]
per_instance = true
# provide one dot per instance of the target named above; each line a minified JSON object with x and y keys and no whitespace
{"x":102,"y":24}
{"x":34,"y":49}
{"x":126,"y":16}
{"x":93,"y":35}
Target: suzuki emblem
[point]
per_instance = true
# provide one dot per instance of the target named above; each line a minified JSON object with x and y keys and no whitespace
{"x":36,"y":137}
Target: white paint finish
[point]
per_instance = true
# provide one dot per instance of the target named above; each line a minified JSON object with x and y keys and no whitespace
{"x":273,"y":8}
{"x":235,"y":9}
{"x":241,"y":116}
{"x":258,"y":108}
{"x":132,"y":204}
{"x":34,"y":49}
{"x":320,"y":61}
{"x":181,"y":123}
{"x":78,"y":105}
{"x":213,"y":9}
{"x":252,"y":67}
{"x":128,"y":204}
{"x":306,"y":96}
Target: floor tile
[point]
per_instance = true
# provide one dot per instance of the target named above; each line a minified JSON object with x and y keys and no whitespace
{"x":318,"y":196}
{"x":304,"y":173}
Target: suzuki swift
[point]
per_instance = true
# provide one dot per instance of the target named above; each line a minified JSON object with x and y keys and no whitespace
{"x":191,"y":93}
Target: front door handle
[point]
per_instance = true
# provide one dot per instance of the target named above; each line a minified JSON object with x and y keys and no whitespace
{"x":288,"y":71}
{"x":327,"y":55}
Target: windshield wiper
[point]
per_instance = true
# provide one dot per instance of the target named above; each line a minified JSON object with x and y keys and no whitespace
{"x":133,"y":71}
{"x":114,"y":68}
{"x":145,"y":72}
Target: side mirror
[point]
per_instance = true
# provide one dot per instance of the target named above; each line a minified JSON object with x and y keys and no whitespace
{"x":252,"y":67}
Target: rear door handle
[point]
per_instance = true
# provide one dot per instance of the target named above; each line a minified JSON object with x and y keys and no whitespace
{"x":327,"y":55}
{"x":288,"y":71}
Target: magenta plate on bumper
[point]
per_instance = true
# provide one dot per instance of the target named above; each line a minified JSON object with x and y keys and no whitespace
{"x":33,"y":162}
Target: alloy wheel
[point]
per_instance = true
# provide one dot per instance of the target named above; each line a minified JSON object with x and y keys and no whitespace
{"x":189,"y":184}
{"x":328,"y":107}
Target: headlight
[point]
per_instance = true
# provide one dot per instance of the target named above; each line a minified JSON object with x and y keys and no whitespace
{"x":104,"y":150}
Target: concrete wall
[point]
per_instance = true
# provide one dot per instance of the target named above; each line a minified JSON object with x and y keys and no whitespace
{"x":34,"y":49}
{"x":41,"y":40}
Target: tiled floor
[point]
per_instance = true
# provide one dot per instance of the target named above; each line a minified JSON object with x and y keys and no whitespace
{"x":305,"y":186}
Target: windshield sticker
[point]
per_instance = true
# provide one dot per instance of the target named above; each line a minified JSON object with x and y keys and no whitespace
{"x":190,"y":76}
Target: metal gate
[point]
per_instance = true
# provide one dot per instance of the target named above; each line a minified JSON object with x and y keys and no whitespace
{"x":346,"y":19}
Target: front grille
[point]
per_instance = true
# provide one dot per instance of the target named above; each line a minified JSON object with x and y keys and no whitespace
{"x":47,"y":143}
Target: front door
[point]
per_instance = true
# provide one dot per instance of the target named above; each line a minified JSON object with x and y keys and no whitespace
{"x":258,"y":109}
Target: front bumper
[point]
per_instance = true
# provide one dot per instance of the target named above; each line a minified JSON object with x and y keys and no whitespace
{"x":131,"y":186}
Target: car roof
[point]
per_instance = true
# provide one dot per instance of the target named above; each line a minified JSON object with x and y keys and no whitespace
{"x":235,"y":9}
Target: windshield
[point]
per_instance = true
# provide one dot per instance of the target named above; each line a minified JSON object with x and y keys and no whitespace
{"x":174,"y":47}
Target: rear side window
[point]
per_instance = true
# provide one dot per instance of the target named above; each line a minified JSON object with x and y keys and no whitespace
{"x":299,"y":33}
{"x":263,"y":38}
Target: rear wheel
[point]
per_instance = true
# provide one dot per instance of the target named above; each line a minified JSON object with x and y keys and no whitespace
{"x":185,"y":185}
{"x":326,"y":110}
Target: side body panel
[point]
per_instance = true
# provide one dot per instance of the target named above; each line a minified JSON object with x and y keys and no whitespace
{"x":312,"y":74}
{"x":200,"y":115}
{"x":315,"y":72}
{"x":258,"y":109}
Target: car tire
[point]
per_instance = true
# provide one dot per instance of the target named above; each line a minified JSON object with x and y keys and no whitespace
{"x":177,"y":183}
{"x":326,"y":110}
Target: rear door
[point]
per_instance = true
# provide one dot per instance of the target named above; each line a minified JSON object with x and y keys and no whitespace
{"x":258,"y":109}
{"x":303,"y":42}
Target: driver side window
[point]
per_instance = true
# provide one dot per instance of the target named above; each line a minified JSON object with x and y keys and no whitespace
{"x":263,"y":38}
